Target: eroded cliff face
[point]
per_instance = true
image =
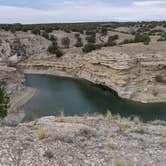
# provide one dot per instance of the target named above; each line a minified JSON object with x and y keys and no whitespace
{"x":134,"y":71}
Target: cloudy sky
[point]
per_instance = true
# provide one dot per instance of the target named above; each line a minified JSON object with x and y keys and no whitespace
{"x":42,"y":11}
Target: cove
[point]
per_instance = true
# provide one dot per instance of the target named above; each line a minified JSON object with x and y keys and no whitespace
{"x":78,"y":97}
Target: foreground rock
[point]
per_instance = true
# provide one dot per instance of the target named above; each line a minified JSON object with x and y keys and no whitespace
{"x":83,"y":141}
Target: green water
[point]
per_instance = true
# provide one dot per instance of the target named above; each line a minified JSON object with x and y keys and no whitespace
{"x":77,"y":97}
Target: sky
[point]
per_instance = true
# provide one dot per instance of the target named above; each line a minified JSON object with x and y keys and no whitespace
{"x":51,"y":11}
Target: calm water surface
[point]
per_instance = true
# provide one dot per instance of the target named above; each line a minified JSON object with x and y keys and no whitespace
{"x":77,"y":97}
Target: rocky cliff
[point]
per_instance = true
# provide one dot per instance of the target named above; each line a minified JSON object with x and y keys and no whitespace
{"x":140,"y":77}
{"x":134,"y":71}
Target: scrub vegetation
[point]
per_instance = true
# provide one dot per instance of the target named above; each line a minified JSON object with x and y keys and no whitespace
{"x":4,"y":102}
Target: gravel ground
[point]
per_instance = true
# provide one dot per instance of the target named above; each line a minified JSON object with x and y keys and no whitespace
{"x":84,"y":141}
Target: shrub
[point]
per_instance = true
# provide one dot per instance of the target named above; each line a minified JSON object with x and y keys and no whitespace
{"x":41,"y":134}
{"x":4,"y":102}
{"x":45,"y":35}
{"x":91,"y":38}
{"x":59,"y":52}
{"x":53,"y":49}
{"x":142,"y":38}
{"x":160,"y":79}
{"x":77,"y":35}
{"x":79,"y":43}
{"x":66,"y":42}
{"x":90,"y":33}
{"x":90,"y":47}
{"x":126,"y":41}
{"x":36,"y":31}
{"x":109,"y":115}
{"x":104,"y":31}
{"x":113,"y":38}
{"x":49,"y":154}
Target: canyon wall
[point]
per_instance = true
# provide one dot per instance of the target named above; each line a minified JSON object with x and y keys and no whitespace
{"x":138,"y":76}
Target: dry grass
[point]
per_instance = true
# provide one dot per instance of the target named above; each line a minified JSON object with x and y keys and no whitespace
{"x":109,"y":115}
{"x":41,"y":134}
{"x":122,"y":127}
{"x":85,"y":116}
{"x":60,"y":118}
{"x":119,"y":163}
{"x":49,"y":154}
{"x":111,"y":144}
{"x":136,"y":120}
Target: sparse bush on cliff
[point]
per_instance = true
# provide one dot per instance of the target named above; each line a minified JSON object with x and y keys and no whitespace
{"x":160,"y":79}
{"x":54,"y":49}
{"x":127,"y":41}
{"x":137,"y":39}
{"x":113,"y":38}
{"x":79,"y":42}
{"x":36,"y":31}
{"x":90,"y":47}
{"x":45,"y":35}
{"x":91,"y":38}
{"x":66,"y":42}
{"x":142,"y":38}
{"x":4,"y":102}
{"x":104,"y":31}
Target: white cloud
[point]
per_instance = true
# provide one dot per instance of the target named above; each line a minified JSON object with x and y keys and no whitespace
{"x":149,"y":3}
{"x":83,"y":11}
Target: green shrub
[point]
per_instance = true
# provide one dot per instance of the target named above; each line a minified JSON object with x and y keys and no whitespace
{"x":36,"y":31}
{"x":4,"y":102}
{"x":65,"y":42}
{"x":45,"y":35}
{"x":113,"y":38}
{"x":104,"y":31}
{"x":142,"y":38}
{"x":59,"y":52}
{"x":79,"y":43}
{"x":53,"y":49}
{"x":90,"y":47}
{"x":127,"y":41}
{"x":91,"y":38}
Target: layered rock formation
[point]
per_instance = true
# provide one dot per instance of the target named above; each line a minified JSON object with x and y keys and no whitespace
{"x":134,"y":71}
{"x":139,"y":77}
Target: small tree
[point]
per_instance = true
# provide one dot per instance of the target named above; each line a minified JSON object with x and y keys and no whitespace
{"x":66,"y":42}
{"x":4,"y":102}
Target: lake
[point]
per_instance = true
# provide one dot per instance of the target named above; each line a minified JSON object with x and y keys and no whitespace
{"x":78,"y":97}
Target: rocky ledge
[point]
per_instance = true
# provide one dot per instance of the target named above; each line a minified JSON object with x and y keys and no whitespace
{"x":73,"y":141}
